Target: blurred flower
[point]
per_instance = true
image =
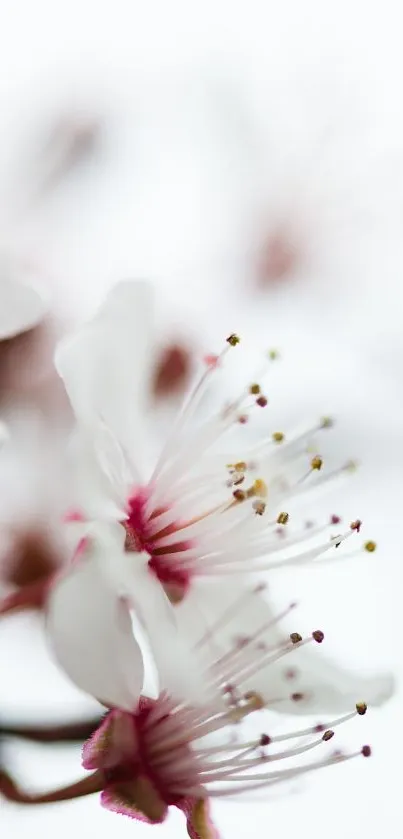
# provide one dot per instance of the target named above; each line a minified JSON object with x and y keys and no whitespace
{"x":169,"y":752}
{"x":198,"y":522}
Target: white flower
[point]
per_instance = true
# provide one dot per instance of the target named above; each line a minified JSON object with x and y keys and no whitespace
{"x":199,"y":520}
{"x":21,"y":306}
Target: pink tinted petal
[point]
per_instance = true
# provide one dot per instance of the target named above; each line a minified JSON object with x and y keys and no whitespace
{"x":325,"y":687}
{"x":198,"y":821}
{"x":21,"y":307}
{"x":90,"y":630}
{"x":105,"y":366}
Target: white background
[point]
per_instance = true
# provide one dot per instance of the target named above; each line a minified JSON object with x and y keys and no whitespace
{"x":218,"y":120}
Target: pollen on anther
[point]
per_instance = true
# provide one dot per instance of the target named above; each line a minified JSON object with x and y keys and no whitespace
{"x":260,"y":488}
{"x":259,"y":507}
{"x":295,"y":637}
{"x":327,"y":422}
{"x":318,"y":636}
{"x":328,"y":735}
{"x":233,"y":339}
{"x":282,"y":518}
{"x":356,"y":525}
{"x":254,"y":389}
{"x":278,"y":436}
{"x":361,"y":708}
{"x":316,"y":463}
{"x":239,"y":495}
{"x":273,"y":355}
{"x":241,"y":466}
{"x":370,"y":546}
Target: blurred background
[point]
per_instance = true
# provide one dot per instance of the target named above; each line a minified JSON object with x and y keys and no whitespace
{"x":247,"y":157}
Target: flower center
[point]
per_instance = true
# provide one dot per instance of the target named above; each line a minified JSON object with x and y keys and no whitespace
{"x":147,"y":532}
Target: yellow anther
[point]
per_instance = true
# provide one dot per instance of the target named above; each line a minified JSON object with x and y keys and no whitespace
{"x":278,"y":437}
{"x":233,"y":339}
{"x":260,"y":488}
{"x":316,"y":463}
{"x":255,"y":389}
{"x":282,"y":518}
{"x":370,"y":546}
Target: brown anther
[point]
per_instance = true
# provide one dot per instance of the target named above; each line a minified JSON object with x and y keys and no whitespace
{"x":239,"y":480}
{"x":297,"y":697}
{"x":233,"y":339}
{"x":328,"y":735}
{"x":254,"y":700}
{"x":318,"y":636}
{"x":265,"y":740}
{"x":366,"y":751}
{"x":295,"y":637}
{"x":241,"y":466}
{"x":361,"y":708}
{"x":290,"y":674}
{"x":282,"y":518}
{"x":316,"y":462}
{"x":370,"y":546}
{"x":259,"y":507}
{"x":261,"y":401}
{"x":335,"y":519}
{"x":243,"y":419}
{"x":318,"y":728}
{"x":327,"y":422}
{"x":356,"y":525}
{"x":278,"y":436}
{"x":239,"y":495}
{"x":254,"y":389}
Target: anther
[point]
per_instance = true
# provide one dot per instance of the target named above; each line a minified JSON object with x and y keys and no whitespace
{"x":243,"y":419}
{"x":278,"y":437}
{"x":282,"y":518}
{"x":356,"y":525}
{"x":335,"y":519}
{"x":316,"y":463}
{"x":259,"y":507}
{"x":241,"y":466}
{"x":233,"y":339}
{"x":273,"y":355}
{"x":261,"y":401}
{"x":255,"y":700}
{"x":254,"y":389}
{"x":328,"y":735}
{"x":295,"y":637}
{"x":327,"y":422}
{"x":361,"y":708}
{"x":297,"y":697}
{"x":366,"y":751}
{"x":265,"y":740}
{"x":260,"y":488}
{"x":370,"y":546}
{"x":318,"y":636}
{"x":239,"y":495}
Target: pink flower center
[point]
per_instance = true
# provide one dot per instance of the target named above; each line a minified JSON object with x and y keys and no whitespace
{"x":144,"y":533}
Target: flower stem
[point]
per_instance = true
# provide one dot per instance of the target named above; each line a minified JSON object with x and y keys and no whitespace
{"x":85,"y":786}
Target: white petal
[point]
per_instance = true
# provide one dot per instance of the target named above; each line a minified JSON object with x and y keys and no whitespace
{"x":173,"y":657}
{"x":327,"y":687}
{"x":90,"y":630}
{"x":21,"y":308}
{"x":105,"y":365}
